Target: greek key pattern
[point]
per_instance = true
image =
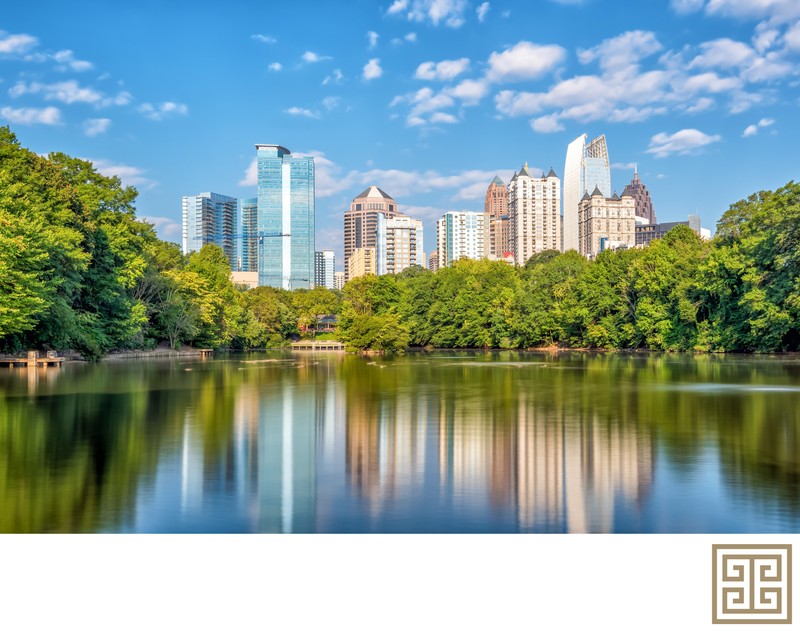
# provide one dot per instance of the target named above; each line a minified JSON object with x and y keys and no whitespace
{"x":752,"y":583}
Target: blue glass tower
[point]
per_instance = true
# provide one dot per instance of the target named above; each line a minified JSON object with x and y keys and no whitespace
{"x":285,"y":218}
{"x":248,"y":211}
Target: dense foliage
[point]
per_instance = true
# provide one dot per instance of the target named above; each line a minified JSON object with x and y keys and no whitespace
{"x":79,"y":271}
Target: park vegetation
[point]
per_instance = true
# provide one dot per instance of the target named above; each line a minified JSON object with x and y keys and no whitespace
{"x":79,"y":271}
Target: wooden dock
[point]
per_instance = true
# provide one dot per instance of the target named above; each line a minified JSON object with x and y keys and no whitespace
{"x":33,"y":360}
{"x":314,"y":345}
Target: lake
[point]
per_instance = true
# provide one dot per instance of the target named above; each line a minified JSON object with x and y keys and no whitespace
{"x":440,"y":442}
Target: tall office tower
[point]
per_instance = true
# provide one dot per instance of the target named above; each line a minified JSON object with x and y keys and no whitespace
{"x":586,"y":168}
{"x":461,"y":234}
{"x":338,"y":280}
{"x":433,"y":261}
{"x":285,"y":218}
{"x":533,"y":214}
{"x":496,"y":206}
{"x":399,"y":244}
{"x":210,"y":218}
{"x":248,"y":211}
{"x":644,"y":204}
{"x":324,"y":267}
{"x":361,"y":221}
{"x":606,"y":223}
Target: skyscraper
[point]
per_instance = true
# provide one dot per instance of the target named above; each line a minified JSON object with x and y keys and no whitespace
{"x":248,"y":211}
{"x":461,"y":234}
{"x":534,"y":221}
{"x":285,"y":218}
{"x":399,"y":244}
{"x":496,"y":206}
{"x":210,"y":218}
{"x":324,"y":267}
{"x":586,"y":168}
{"x":361,"y":221}
{"x":644,"y":204}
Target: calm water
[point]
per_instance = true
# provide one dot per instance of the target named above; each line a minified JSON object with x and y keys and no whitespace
{"x":443,"y":442}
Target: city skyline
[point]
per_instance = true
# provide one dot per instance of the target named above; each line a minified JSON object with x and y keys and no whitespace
{"x":428,"y":101}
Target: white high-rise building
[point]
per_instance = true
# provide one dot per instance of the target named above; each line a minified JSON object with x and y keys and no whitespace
{"x":462,"y":234}
{"x":587,"y":167}
{"x":533,"y":214}
{"x":399,"y":243}
{"x":210,"y":218}
{"x":324,"y":267}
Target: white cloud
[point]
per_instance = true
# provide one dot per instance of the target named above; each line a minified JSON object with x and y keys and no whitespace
{"x":163,"y":110}
{"x":372,"y":36}
{"x":372,"y":69}
{"x":410,"y":37}
{"x":31,"y":116}
{"x":67,"y":61}
{"x":701,"y":105}
{"x":722,"y":53}
{"x":265,"y":39}
{"x":482,"y":10}
{"x":792,"y":37}
{"x":250,"y":178}
{"x":95,"y":127}
{"x":311,"y":57}
{"x":296,"y":111}
{"x":15,"y":44}
{"x":775,"y":10}
{"x":336,"y":77}
{"x":469,"y":91}
{"x":524,"y":60}
{"x":752,"y":130}
{"x":65,"y":91}
{"x":624,"y":50}
{"x":547,"y":124}
{"x":686,"y":6}
{"x":331,"y":103}
{"x":166,"y":228}
{"x":443,"y":117}
{"x":275,"y":66}
{"x":623,"y":166}
{"x":443,"y":70}
{"x":447,"y":12}
{"x":686,"y":141}
{"x":130,"y":176}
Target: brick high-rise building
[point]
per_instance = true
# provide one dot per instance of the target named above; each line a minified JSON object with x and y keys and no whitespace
{"x":361,"y":221}
{"x":644,"y":204}
{"x":495,"y":206}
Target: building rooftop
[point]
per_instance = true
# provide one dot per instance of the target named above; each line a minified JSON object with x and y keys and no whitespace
{"x":552,"y":173}
{"x":374,"y":192}
{"x":498,"y":181}
{"x":280,"y":148}
{"x":597,"y":191}
{"x":627,"y":192}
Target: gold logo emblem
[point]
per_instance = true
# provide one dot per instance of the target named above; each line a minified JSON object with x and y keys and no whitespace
{"x":752,"y":583}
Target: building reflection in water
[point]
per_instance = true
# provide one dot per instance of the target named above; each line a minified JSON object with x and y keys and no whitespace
{"x":529,"y":464}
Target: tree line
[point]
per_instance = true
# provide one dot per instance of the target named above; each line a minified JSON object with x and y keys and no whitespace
{"x":79,"y":271}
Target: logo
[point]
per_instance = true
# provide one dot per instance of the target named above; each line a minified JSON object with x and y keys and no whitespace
{"x":752,"y":583}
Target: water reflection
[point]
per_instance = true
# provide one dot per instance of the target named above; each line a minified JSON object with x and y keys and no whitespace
{"x":505,"y":442}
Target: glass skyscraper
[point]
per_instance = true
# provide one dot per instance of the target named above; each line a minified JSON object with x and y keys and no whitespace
{"x":210,"y":218}
{"x":248,"y":211}
{"x":586,"y":167}
{"x":285,"y":218}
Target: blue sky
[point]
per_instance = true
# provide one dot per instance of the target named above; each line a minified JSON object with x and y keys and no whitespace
{"x":428,"y":99}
